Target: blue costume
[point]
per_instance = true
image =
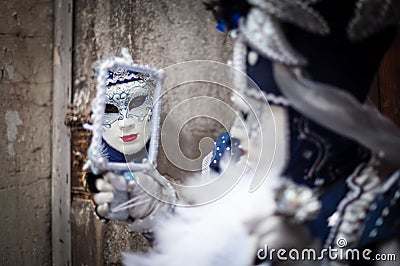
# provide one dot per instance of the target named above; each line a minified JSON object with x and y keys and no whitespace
{"x":347,"y":57}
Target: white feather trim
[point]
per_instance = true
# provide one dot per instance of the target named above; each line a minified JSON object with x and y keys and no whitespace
{"x":215,"y":233}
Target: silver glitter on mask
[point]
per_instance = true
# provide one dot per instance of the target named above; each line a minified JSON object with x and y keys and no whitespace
{"x":128,"y":100}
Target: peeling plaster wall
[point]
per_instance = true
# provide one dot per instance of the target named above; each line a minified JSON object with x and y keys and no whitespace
{"x":26,"y":37}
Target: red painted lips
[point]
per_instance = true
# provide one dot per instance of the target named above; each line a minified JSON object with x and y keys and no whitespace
{"x":129,"y":138}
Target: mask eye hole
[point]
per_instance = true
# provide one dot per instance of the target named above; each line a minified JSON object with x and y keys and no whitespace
{"x":111,"y":109}
{"x":137,"y":101}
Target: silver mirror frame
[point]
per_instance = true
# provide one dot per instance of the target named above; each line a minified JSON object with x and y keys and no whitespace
{"x":99,"y":163}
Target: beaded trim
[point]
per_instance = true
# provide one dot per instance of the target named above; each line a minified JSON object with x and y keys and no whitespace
{"x":347,"y":221}
{"x":270,"y":97}
{"x":297,"y":12}
{"x":262,"y":31}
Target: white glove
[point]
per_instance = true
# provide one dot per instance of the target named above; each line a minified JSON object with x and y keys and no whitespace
{"x":113,"y":191}
{"x":137,"y":200}
{"x":284,"y":227}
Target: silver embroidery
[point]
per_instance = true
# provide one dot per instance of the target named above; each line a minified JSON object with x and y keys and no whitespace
{"x":296,"y":12}
{"x":372,"y":16}
{"x":364,"y":186}
{"x":262,"y":31}
{"x":120,"y":75}
{"x":270,"y":97}
{"x":120,"y":95}
{"x":321,"y":144}
{"x":296,"y":201}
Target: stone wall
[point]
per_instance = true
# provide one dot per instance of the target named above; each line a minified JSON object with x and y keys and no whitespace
{"x":26,"y":39}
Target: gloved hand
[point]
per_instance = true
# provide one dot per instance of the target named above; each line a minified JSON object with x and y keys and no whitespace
{"x":113,"y":190}
{"x":282,"y":227}
{"x":134,"y":198}
{"x":276,"y":231}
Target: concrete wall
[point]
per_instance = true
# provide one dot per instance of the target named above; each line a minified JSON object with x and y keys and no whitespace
{"x":26,"y":38}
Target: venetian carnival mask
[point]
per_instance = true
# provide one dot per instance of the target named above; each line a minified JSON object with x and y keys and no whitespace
{"x":128,"y":111}
{"x":126,"y":115}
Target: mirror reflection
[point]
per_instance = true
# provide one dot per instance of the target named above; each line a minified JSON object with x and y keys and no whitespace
{"x":127,"y":115}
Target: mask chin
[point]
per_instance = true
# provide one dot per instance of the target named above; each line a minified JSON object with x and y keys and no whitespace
{"x":134,"y":148}
{"x":129,"y":140}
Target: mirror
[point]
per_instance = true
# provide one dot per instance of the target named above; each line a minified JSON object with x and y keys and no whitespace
{"x":126,"y":116}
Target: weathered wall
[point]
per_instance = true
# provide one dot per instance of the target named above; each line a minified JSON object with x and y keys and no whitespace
{"x":26,"y":30}
{"x":159,"y":33}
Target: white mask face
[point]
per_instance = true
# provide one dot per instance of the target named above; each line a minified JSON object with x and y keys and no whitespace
{"x":127,"y":116}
